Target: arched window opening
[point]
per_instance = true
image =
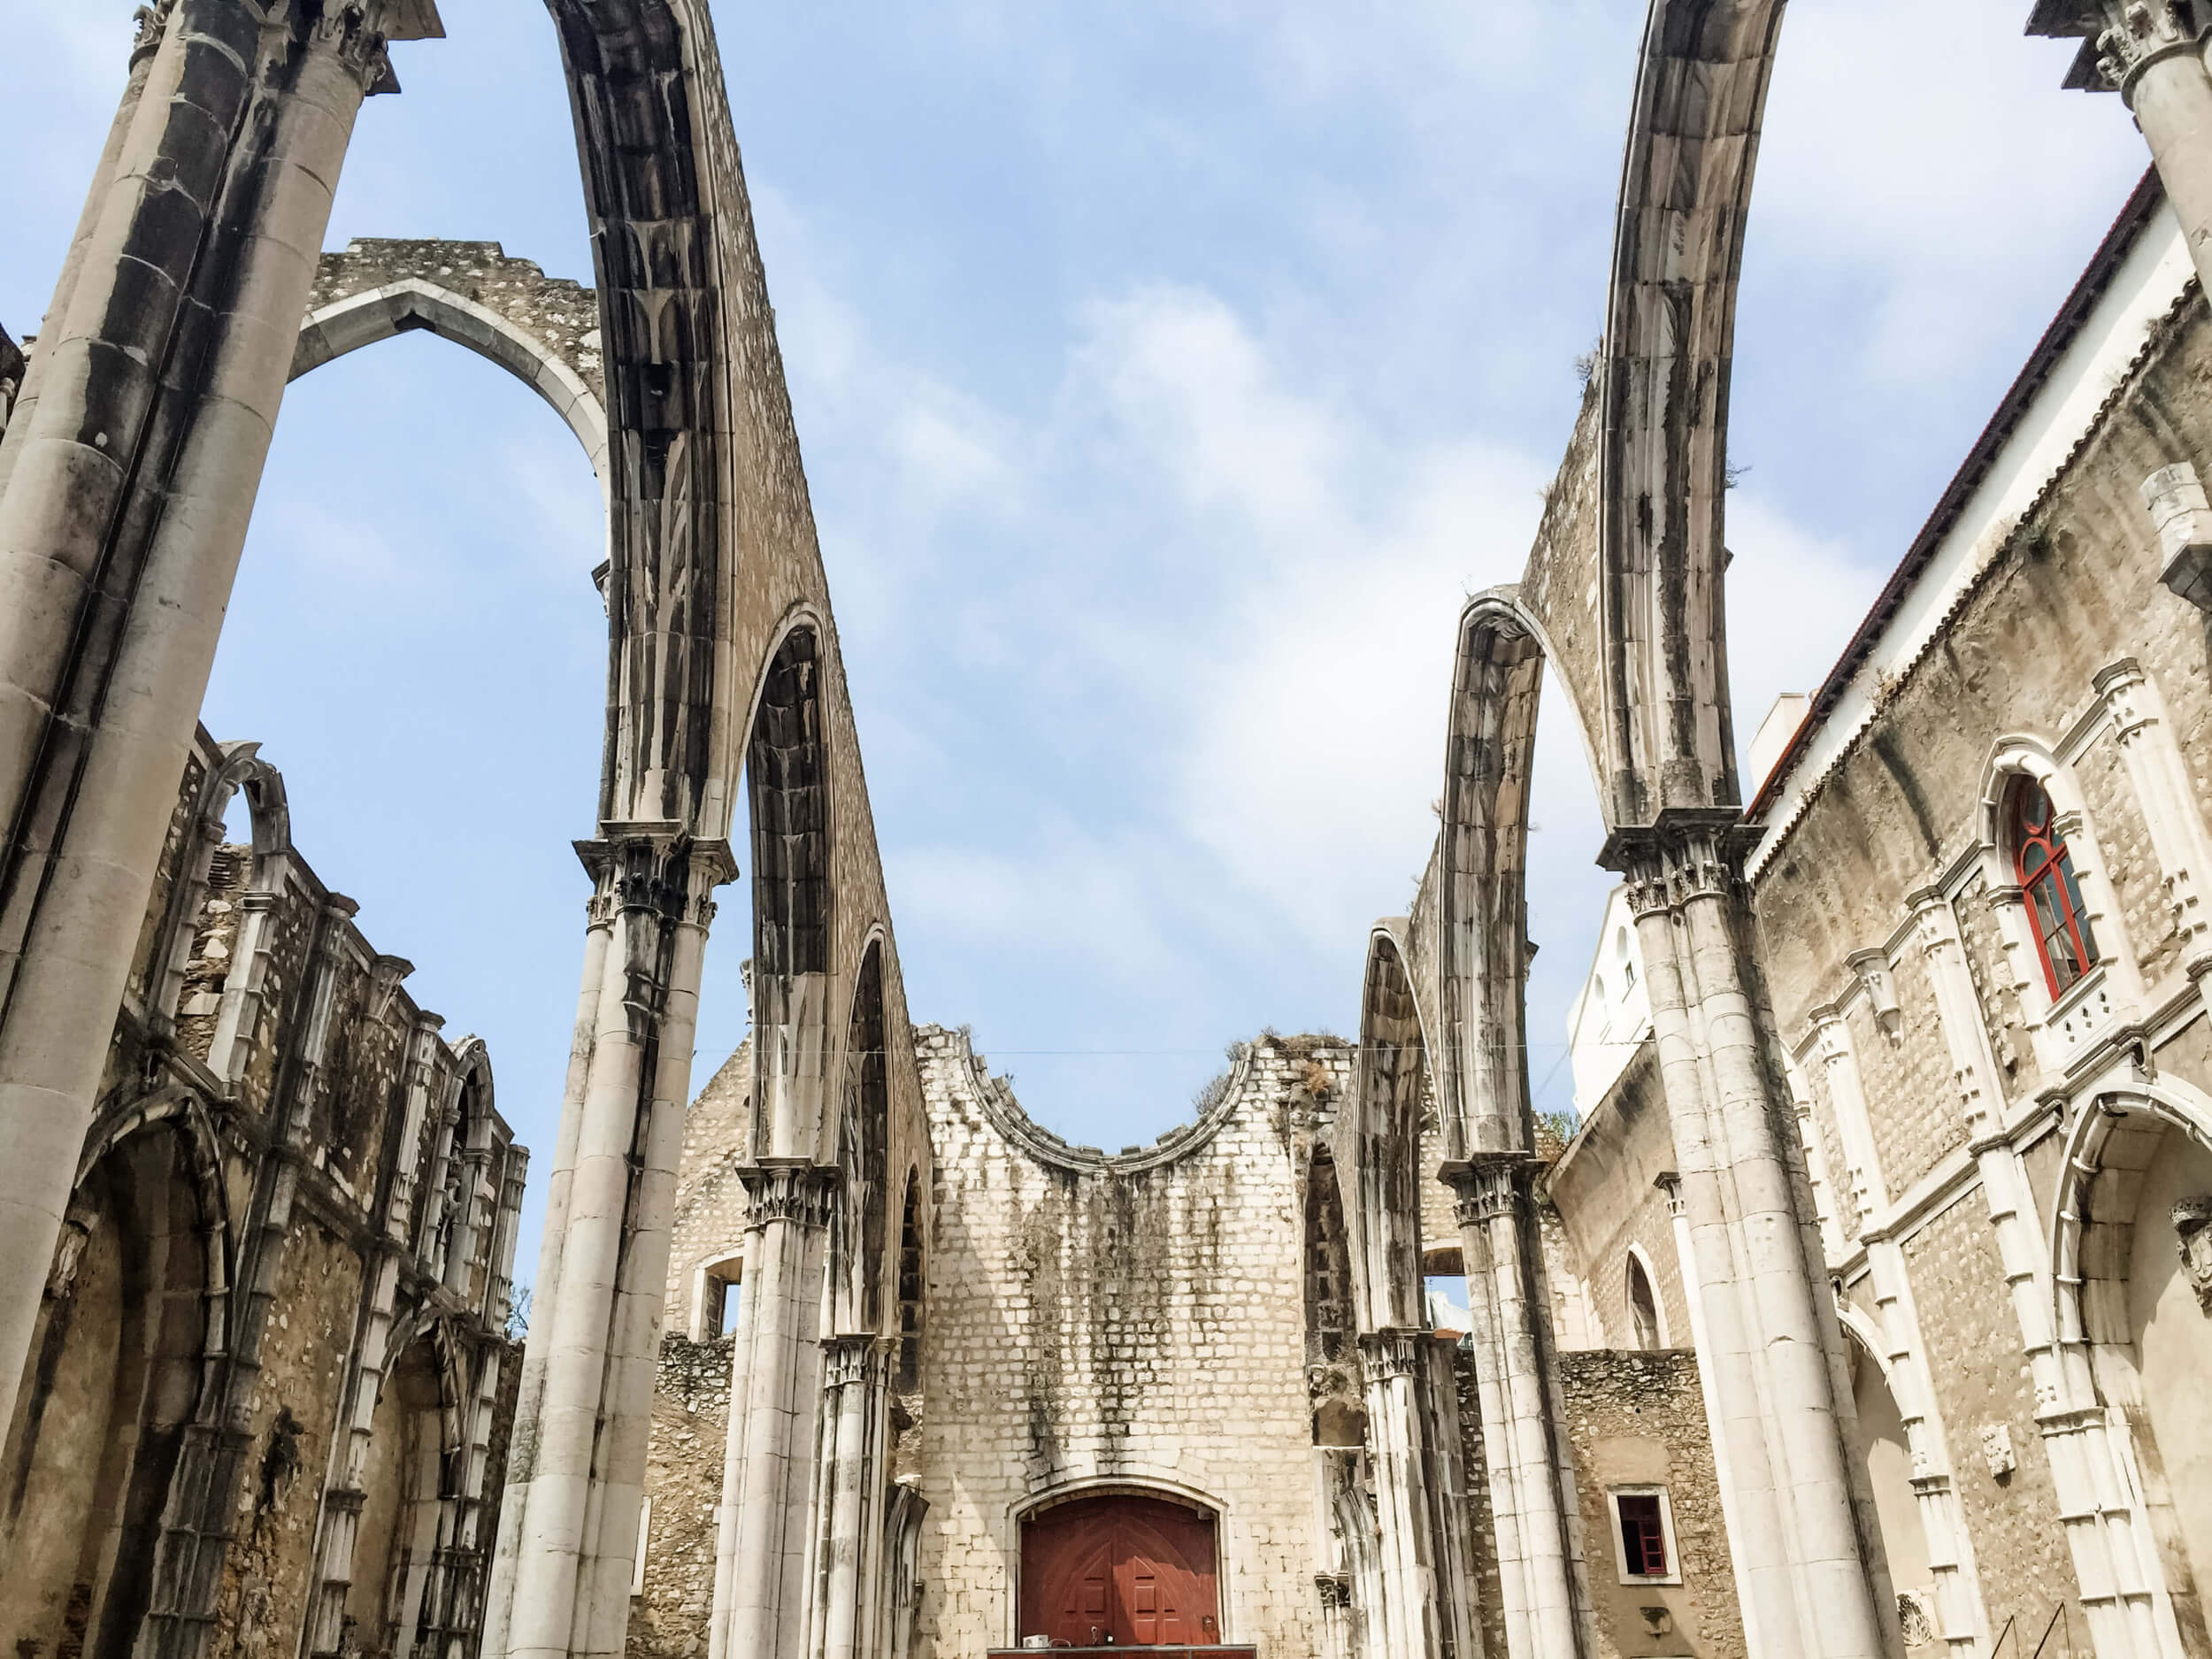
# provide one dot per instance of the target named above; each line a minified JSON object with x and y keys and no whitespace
{"x":404,"y":1525}
{"x":1624,"y":947}
{"x":1643,"y":1307}
{"x":1444,"y":1283}
{"x":908,"y":1379}
{"x":857,"y":1238}
{"x":1328,"y":1269}
{"x":2045,"y":870}
{"x":1883,"y":1451}
{"x":113,"y":1376}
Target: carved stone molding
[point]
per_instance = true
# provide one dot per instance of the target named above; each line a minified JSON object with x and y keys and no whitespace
{"x":1685,"y":856}
{"x":1385,"y":1355}
{"x":151,"y":23}
{"x":793,"y":1191}
{"x":2140,"y":32}
{"x":848,"y":1360}
{"x":1334,"y":1588}
{"x":1488,"y":1188}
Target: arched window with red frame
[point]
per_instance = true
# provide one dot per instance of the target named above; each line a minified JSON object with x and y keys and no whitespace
{"x":2055,"y":913}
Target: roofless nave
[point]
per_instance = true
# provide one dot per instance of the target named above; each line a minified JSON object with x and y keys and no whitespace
{"x":848,"y":1358}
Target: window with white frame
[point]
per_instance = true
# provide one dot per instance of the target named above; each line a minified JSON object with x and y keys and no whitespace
{"x":1643,"y":1535}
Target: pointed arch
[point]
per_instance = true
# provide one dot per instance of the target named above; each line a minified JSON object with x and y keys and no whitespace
{"x":860,"y":1222}
{"x":787,"y":784}
{"x":1666,"y":732}
{"x":1379,"y":1140}
{"x":127,"y":1336}
{"x":1497,"y":679}
{"x":413,"y":301}
{"x":236,"y":767}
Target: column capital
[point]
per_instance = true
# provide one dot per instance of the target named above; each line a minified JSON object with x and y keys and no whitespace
{"x":1385,"y":1355}
{"x":1684,"y":854}
{"x":1487,"y":1186}
{"x":2120,"y":38}
{"x":788,"y":1190}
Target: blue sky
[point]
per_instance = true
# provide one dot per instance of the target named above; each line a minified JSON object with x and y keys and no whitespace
{"x":1167,"y":376}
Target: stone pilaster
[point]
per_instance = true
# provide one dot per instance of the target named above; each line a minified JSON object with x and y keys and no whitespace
{"x":2152,"y":52}
{"x":1770,"y":1342}
{"x":568,"y":1537}
{"x":1535,"y":1518}
{"x":776,"y":1377}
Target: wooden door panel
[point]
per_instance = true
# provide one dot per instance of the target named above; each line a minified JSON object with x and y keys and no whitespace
{"x":1125,"y":1571}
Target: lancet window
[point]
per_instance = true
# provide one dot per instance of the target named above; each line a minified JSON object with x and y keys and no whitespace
{"x":2045,"y":870}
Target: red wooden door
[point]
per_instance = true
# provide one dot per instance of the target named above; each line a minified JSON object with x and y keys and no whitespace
{"x":1120,"y":1570}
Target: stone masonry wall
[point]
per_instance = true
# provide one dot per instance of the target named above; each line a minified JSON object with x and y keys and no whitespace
{"x":1136,"y":1320}
{"x":683,"y":1473}
{"x":1638,"y":1419}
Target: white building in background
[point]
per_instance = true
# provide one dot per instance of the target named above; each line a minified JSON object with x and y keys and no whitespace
{"x":1611,"y":1014}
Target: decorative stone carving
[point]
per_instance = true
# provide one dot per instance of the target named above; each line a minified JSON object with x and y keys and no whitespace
{"x":1335,"y":1589}
{"x":2175,"y":498}
{"x":151,"y":23}
{"x":1873,"y":972}
{"x":1387,"y":1353}
{"x":803,"y":1192}
{"x":1997,"y":1449}
{"x":13,"y":367}
{"x":2192,"y":1233}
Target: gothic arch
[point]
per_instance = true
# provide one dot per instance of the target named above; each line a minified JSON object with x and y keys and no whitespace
{"x":1666,"y":728}
{"x":240,"y":767}
{"x":1497,"y":682}
{"x":412,"y":301}
{"x":860,"y":1222}
{"x":129,"y":1332}
{"x":788,"y":786}
{"x":1380,"y":1142}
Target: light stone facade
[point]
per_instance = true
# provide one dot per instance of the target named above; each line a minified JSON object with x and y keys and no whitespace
{"x":1881,"y":1203}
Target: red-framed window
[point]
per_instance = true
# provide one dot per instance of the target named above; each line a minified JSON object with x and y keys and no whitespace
{"x":1643,"y":1535}
{"x":2055,"y":913}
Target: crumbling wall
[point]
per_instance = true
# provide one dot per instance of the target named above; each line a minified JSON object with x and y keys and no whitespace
{"x":683,"y":1474}
{"x":1135,"y":1320}
{"x":1603,"y":1187}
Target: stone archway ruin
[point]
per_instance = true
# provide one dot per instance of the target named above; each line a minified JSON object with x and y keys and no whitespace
{"x":129,"y":470}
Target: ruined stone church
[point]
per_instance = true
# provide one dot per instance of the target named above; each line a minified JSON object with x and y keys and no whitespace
{"x":1867,"y":1308}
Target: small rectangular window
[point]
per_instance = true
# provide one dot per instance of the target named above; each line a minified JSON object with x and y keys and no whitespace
{"x":1643,"y":1535}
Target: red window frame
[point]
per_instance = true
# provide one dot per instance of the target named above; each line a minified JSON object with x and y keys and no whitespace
{"x":2044,"y":870}
{"x":1643,"y":1534}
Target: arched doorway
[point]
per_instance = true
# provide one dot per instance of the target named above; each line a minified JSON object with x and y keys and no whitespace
{"x":1120,"y":1570}
{"x":112,"y":1385}
{"x":1882,"y":1447}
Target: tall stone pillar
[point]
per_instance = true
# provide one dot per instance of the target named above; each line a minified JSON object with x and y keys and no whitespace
{"x":776,"y":1386}
{"x":1543,"y":1588}
{"x":849,"y":1473}
{"x":1390,"y":1361}
{"x":2153,"y":55}
{"x":1772,"y":1344}
{"x":129,"y":486}
{"x":568,"y":1532}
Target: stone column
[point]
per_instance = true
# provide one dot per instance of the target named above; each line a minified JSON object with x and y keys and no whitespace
{"x":2153,"y":56}
{"x":2121,"y":1581}
{"x":1407,"y":1620}
{"x":1959,"y":1615}
{"x":775,"y":1387}
{"x":850,"y":1474}
{"x":1542,"y":1587}
{"x":1864,"y":1191}
{"x":576,"y":1476}
{"x":152,"y":29}
{"x":1724,"y":1474}
{"x":1772,"y":1343}
{"x":119,"y":534}
{"x":2161,"y":776}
